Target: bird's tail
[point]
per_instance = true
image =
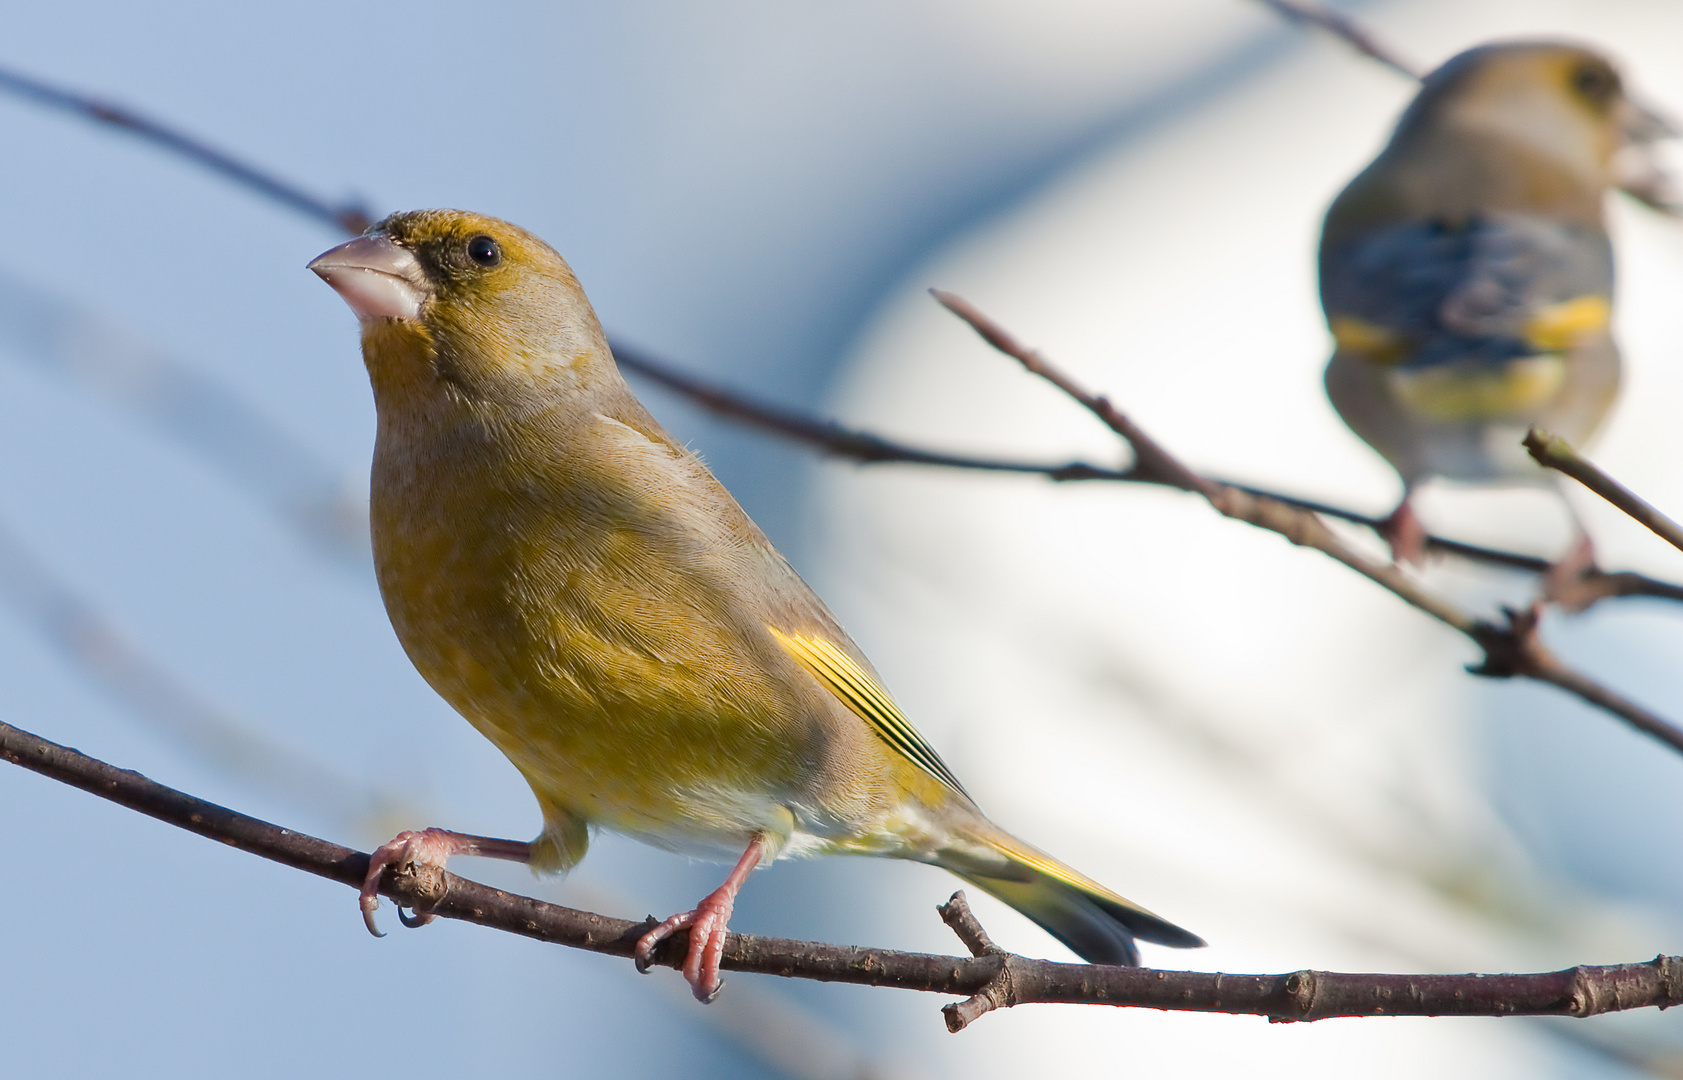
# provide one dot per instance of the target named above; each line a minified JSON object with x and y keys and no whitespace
{"x":1097,"y":924}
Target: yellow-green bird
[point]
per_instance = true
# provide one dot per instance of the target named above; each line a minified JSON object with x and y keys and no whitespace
{"x":580,"y":588}
{"x":1467,"y":275}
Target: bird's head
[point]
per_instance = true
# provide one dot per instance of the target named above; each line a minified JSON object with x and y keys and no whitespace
{"x":1560,"y":101}
{"x":468,"y":307}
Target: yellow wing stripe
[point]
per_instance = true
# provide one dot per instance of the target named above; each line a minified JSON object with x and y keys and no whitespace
{"x":1551,"y":329}
{"x":1560,"y":326}
{"x":1367,"y":339}
{"x":843,"y":677}
{"x":1019,"y":852}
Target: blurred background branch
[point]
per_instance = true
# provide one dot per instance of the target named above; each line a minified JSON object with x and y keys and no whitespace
{"x":351,"y":217}
{"x":202,"y":413}
{"x":212,"y":418}
{"x":1347,"y":30}
{"x":93,"y":646}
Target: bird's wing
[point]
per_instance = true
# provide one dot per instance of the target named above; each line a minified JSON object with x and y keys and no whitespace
{"x":794,"y":616}
{"x":864,"y":695}
{"x":1494,"y":289}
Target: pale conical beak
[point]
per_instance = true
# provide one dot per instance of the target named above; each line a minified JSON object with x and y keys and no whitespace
{"x":1643,"y":123}
{"x":376,"y":277}
{"x":1638,"y":168}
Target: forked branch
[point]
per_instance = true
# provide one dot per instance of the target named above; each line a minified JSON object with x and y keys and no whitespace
{"x":1512,"y":647}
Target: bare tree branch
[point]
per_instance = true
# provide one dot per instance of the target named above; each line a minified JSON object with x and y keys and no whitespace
{"x":866,"y":448}
{"x":350,"y":216}
{"x":1554,"y":452}
{"x":821,"y":434}
{"x":1298,"y":996}
{"x":1512,"y":648}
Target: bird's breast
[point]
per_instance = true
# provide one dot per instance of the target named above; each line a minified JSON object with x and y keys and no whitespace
{"x":591,"y":639}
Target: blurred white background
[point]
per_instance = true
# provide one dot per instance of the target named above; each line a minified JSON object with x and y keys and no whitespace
{"x":1235,"y":733}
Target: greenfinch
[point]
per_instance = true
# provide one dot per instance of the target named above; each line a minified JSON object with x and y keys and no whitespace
{"x":1467,"y":274}
{"x":581,"y":589}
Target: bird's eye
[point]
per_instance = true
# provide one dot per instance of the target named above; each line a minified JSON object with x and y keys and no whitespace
{"x":484,"y":250}
{"x":1595,"y":83}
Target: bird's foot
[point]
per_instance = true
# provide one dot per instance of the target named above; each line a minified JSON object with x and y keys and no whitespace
{"x":708,"y":924}
{"x":1405,"y":534}
{"x":1564,"y":582}
{"x":428,"y":848}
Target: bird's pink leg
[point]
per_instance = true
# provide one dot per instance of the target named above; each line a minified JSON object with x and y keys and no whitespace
{"x":708,"y":924}
{"x":429,"y":847}
{"x":1406,"y":535}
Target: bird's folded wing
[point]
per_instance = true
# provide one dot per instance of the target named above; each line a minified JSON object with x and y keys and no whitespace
{"x":1496,"y":288}
{"x":854,"y":686}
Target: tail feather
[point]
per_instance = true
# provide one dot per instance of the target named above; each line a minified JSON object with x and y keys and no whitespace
{"x":1098,"y":925}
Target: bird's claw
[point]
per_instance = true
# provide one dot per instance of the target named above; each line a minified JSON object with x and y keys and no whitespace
{"x":707,"y":927}
{"x":419,"y":918}
{"x":643,"y":954}
{"x":369,"y":904}
{"x":405,"y":851}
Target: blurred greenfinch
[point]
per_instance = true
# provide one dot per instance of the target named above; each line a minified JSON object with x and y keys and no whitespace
{"x":1467,"y":274}
{"x":580,"y":588}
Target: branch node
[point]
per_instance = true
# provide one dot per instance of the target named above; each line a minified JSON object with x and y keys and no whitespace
{"x":1512,"y":649}
{"x":999,"y":992}
{"x":1670,"y":971}
{"x":416,"y":886}
{"x":1300,"y":989}
{"x":956,"y":914}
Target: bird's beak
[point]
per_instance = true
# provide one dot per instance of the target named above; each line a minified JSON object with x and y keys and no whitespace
{"x":376,"y":277}
{"x":1645,"y":124}
{"x":1638,"y":168}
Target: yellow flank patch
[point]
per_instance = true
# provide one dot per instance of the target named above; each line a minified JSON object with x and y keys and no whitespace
{"x":1563,"y":325}
{"x":1448,"y":393}
{"x":843,"y":677}
{"x":1368,"y":340}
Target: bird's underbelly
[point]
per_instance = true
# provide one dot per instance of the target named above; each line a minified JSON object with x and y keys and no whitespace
{"x":680,"y":752}
{"x":1446,"y":393}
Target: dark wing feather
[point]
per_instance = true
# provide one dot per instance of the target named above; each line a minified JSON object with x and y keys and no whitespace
{"x":1451,"y":293}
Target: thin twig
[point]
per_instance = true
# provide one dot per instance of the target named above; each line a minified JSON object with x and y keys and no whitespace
{"x":866,"y":448}
{"x":1512,"y":648}
{"x":1554,"y":452}
{"x":352,"y":217}
{"x":831,"y":437}
{"x":223,"y":426}
{"x":824,"y":435}
{"x":1298,"y":996}
{"x":1346,"y":29}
